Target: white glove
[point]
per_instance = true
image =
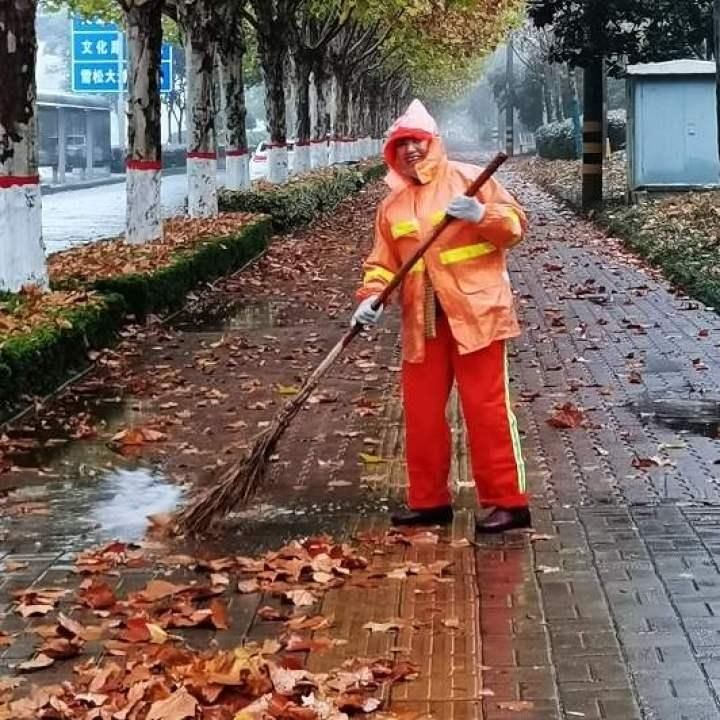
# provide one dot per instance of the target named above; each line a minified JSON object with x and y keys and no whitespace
{"x":365,"y":315}
{"x":466,"y":208}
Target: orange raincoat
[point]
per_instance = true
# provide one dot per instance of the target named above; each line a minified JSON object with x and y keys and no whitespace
{"x":466,"y":266}
{"x":465,"y":342}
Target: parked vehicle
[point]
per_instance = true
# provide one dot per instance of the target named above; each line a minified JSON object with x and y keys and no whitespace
{"x":259,"y":160}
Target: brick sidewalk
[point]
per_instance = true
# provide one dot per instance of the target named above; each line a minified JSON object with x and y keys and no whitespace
{"x":608,"y":611}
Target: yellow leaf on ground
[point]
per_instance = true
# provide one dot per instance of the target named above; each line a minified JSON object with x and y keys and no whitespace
{"x":371,"y":459}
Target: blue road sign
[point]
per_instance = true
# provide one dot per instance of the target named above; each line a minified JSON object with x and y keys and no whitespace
{"x":99,"y":58}
{"x":81,"y":25}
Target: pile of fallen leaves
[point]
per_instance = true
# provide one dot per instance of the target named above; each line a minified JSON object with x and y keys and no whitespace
{"x":114,"y":257}
{"x":150,"y":673}
{"x":564,"y":177}
{"x":31,"y":308}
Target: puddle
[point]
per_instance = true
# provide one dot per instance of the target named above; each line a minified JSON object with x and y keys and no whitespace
{"x":234,"y":316}
{"x":127,"y":497}
{"x":693,"y":413}
{"x":86,"y":488}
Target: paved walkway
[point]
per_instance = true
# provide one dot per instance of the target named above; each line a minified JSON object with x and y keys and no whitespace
{"x":608,"y":610}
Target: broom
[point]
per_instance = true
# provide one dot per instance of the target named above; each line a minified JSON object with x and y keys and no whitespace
{"x":241,"y":480}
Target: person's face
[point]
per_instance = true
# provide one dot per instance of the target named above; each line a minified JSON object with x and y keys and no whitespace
{"x":409,"y":152}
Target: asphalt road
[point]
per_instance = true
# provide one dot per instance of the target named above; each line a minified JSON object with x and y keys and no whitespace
{"x":81,"y":216}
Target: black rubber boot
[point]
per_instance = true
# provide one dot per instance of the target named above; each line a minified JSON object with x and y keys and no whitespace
{"x":502,"y":519}
{"x":429,"y":516}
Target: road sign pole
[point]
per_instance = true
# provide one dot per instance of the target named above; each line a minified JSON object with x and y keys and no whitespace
{"x":121,"y":102}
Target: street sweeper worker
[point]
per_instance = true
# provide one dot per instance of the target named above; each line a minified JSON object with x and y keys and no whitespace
{"x":457,"y":313}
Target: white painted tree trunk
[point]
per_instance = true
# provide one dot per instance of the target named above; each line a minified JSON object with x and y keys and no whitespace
{"x":22,"y":253}
{"x":320,"y":154}
{"x":144,"y":166}
{"x":301,"y":159}
{"x":335,"y":152}
{"x":143,"y":219}
{"x":21,"y":245}
{"x":237,"y":170}
{"x":202,"y":154}
{"x":231,"y":47}
{"x":278,"y":164}
{"x":202,"y":185}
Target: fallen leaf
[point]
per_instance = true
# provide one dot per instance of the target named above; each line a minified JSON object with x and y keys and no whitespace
{"x":31,"y":610}
{"x":178,"y":706}
{"x":538,"y":537}
{"x":37,"y":663}
{"x":61,"y":648}
{"x":371,"y":459}
{"x":71,"y":627}
{"x":300,"y":598}
{"x":12,"y":566}
{"x":547,"y":569}
{"x":375,"y":627}
{"x":159,"y":590}
{"x":246,"y":587}
{"x":137,"y":436}
{"x":219,"y":614}
{"x":516,"y":706}
{"x":567,"y":416}
{"x":288,"y":389}
{"x":98,"y":596}
{"x":270,"y":614}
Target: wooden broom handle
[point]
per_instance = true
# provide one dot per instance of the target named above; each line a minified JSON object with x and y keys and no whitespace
{"x":473,"y":190}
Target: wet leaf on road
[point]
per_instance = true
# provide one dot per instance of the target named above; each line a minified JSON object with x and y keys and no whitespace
{"x":567,"y":416}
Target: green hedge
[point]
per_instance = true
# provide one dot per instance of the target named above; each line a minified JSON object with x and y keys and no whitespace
{"x":300,"y":201}
{"x":556,"y":141}
{"x":39,"y":361}
{"x":166,"y":289}
{"x":688,"y":259}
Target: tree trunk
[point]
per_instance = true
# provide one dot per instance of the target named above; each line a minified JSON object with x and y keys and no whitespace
{"x":303,"y":131}
{"x":548,"y":95}
{"x":323,"y":125}
{"x":272,"y":59}
{"x":559,"y":107}
{"x":509,"y":98}
{"x":22,"y":253}
{"x":592,"y":164}
{"x":716,"y":24}
{"x":144,"y":161}
{"x":342,"y":119}
{"x":575,"y":99}
{"x":374,"y":121}
{"x":181,"y":125}
{"x":237,"y":159}
{"x":201,"y":27}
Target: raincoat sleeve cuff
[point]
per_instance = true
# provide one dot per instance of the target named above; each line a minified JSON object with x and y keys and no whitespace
{"x":503,"y":225}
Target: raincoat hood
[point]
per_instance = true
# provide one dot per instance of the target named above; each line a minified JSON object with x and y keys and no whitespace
{"x":415,"y":122}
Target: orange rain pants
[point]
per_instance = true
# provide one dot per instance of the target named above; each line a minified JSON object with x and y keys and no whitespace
{"x":494,"y":442}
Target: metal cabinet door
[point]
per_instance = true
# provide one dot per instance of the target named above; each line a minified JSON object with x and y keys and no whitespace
{"x":660,"y":132}
{"x":701,"y":152}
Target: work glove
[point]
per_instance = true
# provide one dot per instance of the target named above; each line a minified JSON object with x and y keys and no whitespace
{"x":466,"y":208}
{"x":365,"y":315}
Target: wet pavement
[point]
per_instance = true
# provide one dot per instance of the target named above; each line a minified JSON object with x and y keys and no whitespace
{"x":607,"y":610}
{"x":80,"y":216}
